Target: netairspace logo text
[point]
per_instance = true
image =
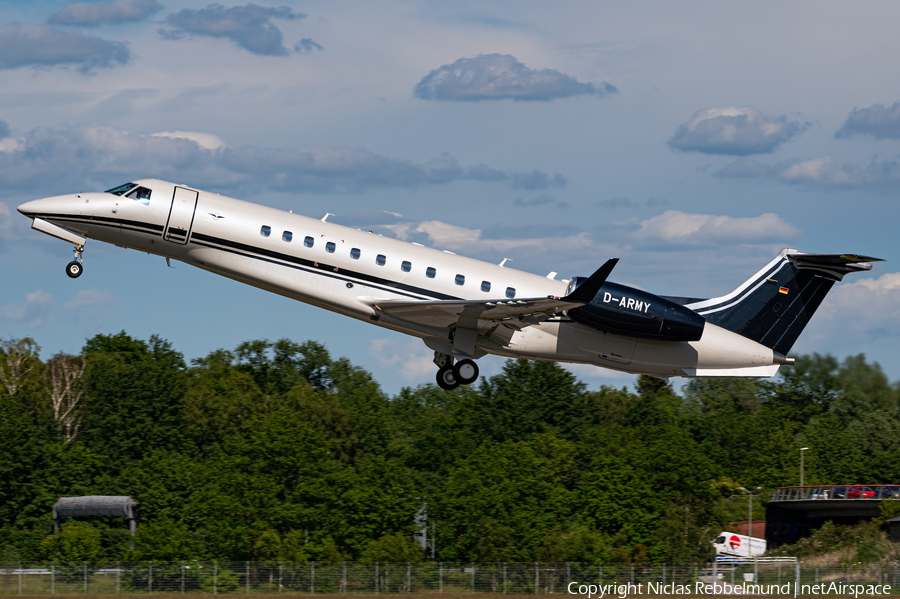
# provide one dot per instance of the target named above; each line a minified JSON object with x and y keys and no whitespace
{"x":702,"y":588}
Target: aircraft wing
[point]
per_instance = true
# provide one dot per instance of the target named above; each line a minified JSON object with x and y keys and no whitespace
{"x":516,"y":312}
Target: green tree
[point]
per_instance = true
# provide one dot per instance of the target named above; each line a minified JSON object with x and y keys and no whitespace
{"x":134,"y":398}
{"x":530,"y":397}
{"x":395,"y":547}
{"x":524,"y":486}
{"x":165,"y":540}
{"x":27,"y":431}
{"x":75,"y":543}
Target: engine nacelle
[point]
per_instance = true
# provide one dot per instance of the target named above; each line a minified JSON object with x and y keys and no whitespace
{"x":628,"y":311}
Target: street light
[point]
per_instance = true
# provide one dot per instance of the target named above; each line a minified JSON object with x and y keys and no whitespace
{"x":750,"y":532}
{"x":802,"y":449}
{"x":750,"y":493}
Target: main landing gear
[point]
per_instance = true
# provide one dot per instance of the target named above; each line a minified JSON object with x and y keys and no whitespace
{"x":451,"y":375}
{"x":75,"y":267}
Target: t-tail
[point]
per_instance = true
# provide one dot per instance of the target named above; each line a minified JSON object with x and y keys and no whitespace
{"x":773,"y":306}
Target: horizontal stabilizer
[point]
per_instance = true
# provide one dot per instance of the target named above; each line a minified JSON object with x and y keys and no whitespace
{"x":836,"y":263}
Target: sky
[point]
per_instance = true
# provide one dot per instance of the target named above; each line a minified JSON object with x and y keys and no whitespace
{"x":692,"y":140}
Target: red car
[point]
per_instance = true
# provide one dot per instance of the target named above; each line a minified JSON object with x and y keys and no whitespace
{"x":860,"y":493}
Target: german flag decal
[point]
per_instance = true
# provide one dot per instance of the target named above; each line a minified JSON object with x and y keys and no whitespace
{"x":783,"y":290}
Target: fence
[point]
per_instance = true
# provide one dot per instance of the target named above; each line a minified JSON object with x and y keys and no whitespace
{"x":427,"y":577}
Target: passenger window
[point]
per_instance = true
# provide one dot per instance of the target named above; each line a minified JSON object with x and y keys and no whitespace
{"x":460,"y":279}
{"x":308,"y":241}
{"x":380,"y":259}
{"x":139,"y":194}
{"x":287,"y":236}
{"x":265,"y":230}
{"x":354,"y":253}
{"x":485,"y":286}
{"x":405,"y":266}
{"x":510,"y":292}
{"x":430,"y":272}
{"x":329,"y":247}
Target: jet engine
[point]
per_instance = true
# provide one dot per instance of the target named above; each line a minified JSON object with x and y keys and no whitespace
{"x":627,"y":311}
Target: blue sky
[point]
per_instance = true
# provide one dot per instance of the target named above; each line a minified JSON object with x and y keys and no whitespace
{"x":692,"y":140}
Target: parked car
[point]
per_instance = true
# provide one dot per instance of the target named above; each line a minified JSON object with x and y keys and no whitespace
{"x":892,"y":492}
{"x":860,"y":493}
{"x":838,"y":493}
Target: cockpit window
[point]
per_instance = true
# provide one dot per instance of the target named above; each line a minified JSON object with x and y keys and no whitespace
{"x":117,"y":191}
{"x":139,"y":194}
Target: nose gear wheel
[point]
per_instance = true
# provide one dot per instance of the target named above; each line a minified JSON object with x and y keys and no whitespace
{"x":76,"y":267}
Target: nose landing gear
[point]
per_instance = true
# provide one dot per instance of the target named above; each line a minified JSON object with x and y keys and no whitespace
{"x":451,"y":375}
{"x":75,"y":267}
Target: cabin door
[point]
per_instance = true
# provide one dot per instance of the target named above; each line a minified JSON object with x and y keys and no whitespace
{"x":181,"y":215}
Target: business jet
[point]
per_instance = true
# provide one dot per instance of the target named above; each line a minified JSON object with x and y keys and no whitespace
{"x":461,"y":308}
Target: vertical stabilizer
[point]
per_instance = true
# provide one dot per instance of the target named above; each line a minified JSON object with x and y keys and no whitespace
{"x":776,"y":303}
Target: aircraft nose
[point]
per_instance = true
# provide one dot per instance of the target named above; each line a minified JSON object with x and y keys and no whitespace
{"x":31,"y":208}
{"x":50,"y":206}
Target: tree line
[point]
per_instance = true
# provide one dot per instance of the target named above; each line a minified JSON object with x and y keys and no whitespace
{"x":278,"y":451}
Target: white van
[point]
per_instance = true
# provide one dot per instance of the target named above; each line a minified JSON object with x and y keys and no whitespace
{"x":730,"y":544}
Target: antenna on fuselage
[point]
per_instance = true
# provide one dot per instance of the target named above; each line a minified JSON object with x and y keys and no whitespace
{"x":505,"y":260}
{"x":327,"y":214}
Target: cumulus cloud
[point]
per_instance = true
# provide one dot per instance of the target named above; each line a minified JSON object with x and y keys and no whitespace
{"x":206,"y":141}
{"x":90,"y":298}
{"x":94,"y":156}
{"x":6,"y":223}
{"x":34,"y":311}
{"x":409,"y":357}
{"x":38,"y":45}
{"x":880,"y":296}
{"x":734,"y":131}
{"x":307,"y":46}
{"x":89,"y":14}
{"x":368,"y":218}
{"x":501,"y":77}
{"x":39,"y":308}
{"x":826,"y":172}
{"x":249,"y":26}
{"x":474,"y":241}
{"x":821,"y":173}
{"x":682,"y":228}
{"x":879,"y":121}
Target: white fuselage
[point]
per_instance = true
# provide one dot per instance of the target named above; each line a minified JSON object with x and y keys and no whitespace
{"x":344,"y":271}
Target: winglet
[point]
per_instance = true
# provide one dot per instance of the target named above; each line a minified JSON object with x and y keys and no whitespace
{"x":585,"y":292}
